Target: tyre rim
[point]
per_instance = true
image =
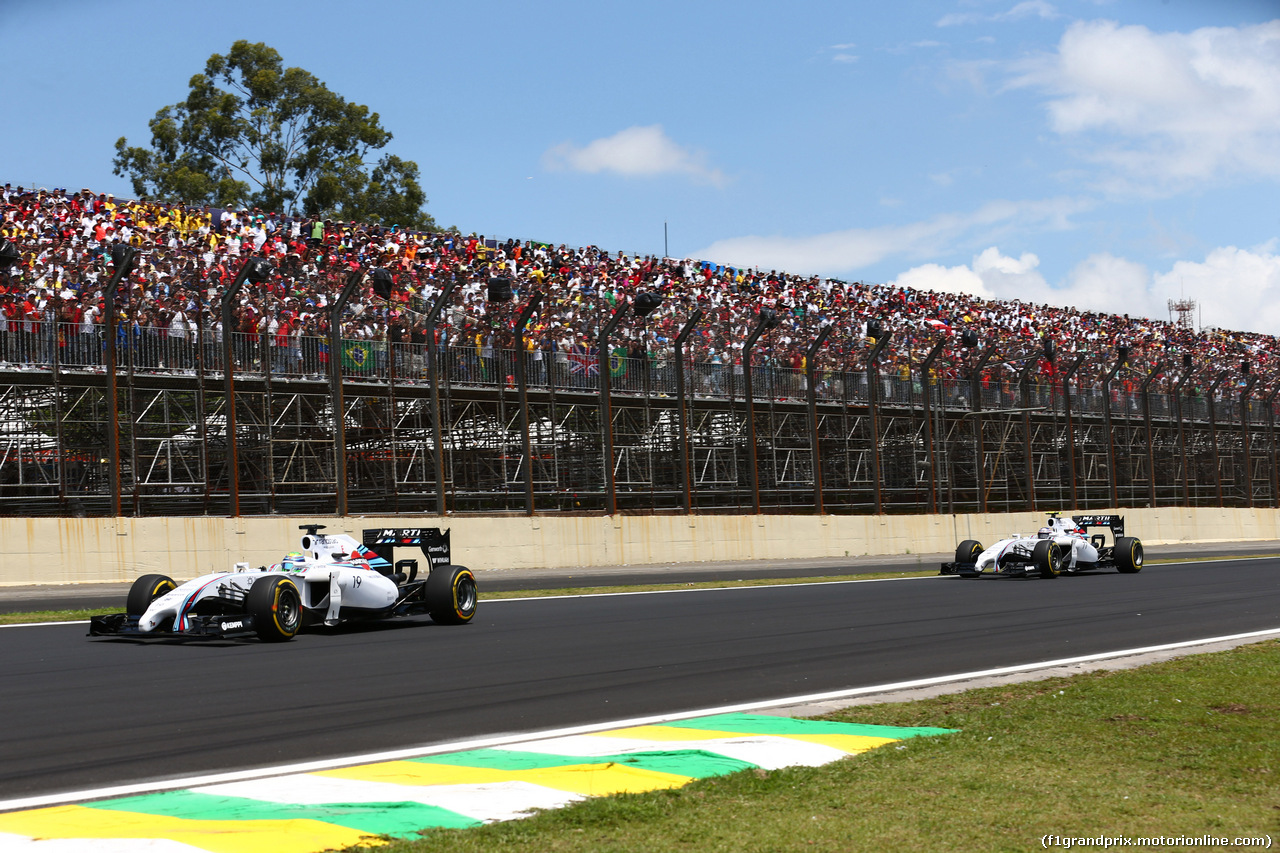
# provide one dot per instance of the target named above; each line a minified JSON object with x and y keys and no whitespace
{"x":1137,"y":556}
{"x":465,"y":594}
{"x":287,"y":610}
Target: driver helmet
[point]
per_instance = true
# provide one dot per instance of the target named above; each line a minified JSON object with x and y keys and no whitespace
{"x":1044,"y":533}
{"x":293,"y":559}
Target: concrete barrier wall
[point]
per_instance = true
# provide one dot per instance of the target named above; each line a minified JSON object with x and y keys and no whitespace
{"x":83,"y":550}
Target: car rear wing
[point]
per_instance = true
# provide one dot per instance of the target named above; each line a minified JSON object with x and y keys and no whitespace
{"x":433,"y":542}
{"x":1114,"y":522}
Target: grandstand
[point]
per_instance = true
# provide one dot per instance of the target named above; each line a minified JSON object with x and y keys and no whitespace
{"x":486,"y":375}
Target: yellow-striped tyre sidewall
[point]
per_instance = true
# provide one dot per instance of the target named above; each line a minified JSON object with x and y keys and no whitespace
{"x":286,"y":630}
{"x":464,"y":595}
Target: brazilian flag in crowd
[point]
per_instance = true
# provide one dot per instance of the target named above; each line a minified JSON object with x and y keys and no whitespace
{"x":357,"y":357}
{"x":618,"y":362}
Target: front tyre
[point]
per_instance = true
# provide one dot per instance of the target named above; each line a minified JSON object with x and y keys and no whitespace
{"x":276,"y":607}
{"x":1129,"y":556}
{"x":451,"y":595}
{"x":968,"y":551}
{"x":145,"y":590}
{"x":1047,"y":558}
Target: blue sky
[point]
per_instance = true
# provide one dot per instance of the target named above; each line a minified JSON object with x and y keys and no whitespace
{"x":1110,"y":155}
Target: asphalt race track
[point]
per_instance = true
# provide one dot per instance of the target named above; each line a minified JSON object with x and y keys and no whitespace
{"x":79,"y":713}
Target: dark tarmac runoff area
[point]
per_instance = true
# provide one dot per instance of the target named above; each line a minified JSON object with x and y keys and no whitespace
{"x":77,"y":596}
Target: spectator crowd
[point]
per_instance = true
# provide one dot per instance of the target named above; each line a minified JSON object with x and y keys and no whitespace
{"x":185,"y":257}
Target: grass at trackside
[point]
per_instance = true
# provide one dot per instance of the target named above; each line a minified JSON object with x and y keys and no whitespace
{"x":55,"y":615}
{"x":1186,"y":747}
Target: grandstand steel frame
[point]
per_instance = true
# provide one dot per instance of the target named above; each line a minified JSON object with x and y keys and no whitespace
{"x":999,"y":440}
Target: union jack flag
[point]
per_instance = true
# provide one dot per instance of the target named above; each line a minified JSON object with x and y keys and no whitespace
{"x":581,"y":362}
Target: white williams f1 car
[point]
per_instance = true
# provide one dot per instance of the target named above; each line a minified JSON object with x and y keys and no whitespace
{"x":1062,"y":546}
{"x":332,"y":579}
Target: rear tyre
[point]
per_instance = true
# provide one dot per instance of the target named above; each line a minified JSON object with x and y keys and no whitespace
{"x":451,"y":595}
{"x":1047,"y":558}
{"x":968,"y":551}
{"x":276,"y":607}
{"x":145,"y":590}
{"x":1129,"y":556}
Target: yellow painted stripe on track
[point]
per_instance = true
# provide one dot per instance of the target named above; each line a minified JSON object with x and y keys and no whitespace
{"x":216,"y":836}
{"x":852,"y":744}
{"x":592,"y":780}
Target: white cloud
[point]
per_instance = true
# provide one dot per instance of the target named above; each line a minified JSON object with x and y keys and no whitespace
{"x":844,"y":57}
{"x":1027,"y":9}
{"x":634,"y":152}
{"x":1166,"y":109}
{"x":1234,"y":288}
{"x":842,"y":252}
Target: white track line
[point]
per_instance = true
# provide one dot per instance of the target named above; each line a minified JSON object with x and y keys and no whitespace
{"x":503,"y":740}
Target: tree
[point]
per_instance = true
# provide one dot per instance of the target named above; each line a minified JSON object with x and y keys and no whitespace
{"x":253,"y":133}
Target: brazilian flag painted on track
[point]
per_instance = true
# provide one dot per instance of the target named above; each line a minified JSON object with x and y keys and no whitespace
{"x":357,"y":357}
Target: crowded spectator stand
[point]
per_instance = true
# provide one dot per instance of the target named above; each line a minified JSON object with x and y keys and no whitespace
{"x":482,"y":311}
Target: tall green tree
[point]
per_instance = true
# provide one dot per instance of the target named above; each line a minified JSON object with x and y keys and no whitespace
{"x":254,"y":133}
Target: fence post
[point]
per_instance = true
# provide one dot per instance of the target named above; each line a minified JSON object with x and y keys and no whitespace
{"x":683,"y":417}
{"x":1146,"y":416}
{"x":1024,"y":387}
{"x":1270,"y":400}
{"x":1244,"y":438}
{"x":523,"y":387}
{"x":765,"y":320}
{"x":1122,"y":357}
{"x":809,"y":375}
{"x":1071,"y":432}
{"x":1213,"y":435}
{"x":975,"y":392}
{"x":335,"y":388}
{"x":606,"y":407}
{"x":433,"y":372}
{"x":256,"y":271}
{"x":122,"y":257}
{"x":873,"y":405}
{"x":929,"y":438}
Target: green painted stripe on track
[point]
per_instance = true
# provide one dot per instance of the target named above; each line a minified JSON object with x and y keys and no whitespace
{"x":764,"y":724}
{"x":697,"y":763}
{"x":399,"y":819}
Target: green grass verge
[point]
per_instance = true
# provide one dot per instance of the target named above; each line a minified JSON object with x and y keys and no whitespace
{"x":1185,"y":747}
{"x":55,"y":615}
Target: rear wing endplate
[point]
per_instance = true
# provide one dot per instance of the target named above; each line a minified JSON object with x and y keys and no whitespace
{"x":433,"y":542}
{"x":1115,"y":522}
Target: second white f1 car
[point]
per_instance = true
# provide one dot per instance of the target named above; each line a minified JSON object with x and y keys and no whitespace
{"x":332,"y":579}
{"x":1063,"y":545}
